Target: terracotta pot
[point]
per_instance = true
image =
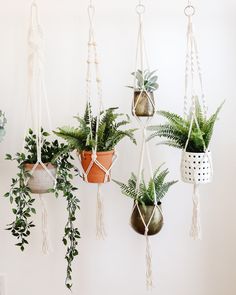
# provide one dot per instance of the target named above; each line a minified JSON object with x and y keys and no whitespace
{"x":143,"y":105}
{"x":196,"y":167}
{"x":96,"y":174}
{"x":154,"y":226}
{"x":41,"y":181}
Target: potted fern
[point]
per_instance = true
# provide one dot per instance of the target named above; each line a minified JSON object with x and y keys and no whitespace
{"x":196,"y":164}
{"x":95,"y":144}
{"x":145,"y":84}
{"x":57,"y":160}
{"x":147,"y":197}
{"x":3,"y":122}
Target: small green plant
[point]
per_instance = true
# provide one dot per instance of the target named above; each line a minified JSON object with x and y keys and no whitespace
{"x":145,"y":81}
{"x":23,"y":203}
{"x":176,"y":130}
{"x":109,"y":133}
{"x":157,"y":188}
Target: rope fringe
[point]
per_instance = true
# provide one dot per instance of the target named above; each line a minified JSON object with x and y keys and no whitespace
{"x":45,"y":233}
{"x":195,"y":231}
{"x":101,"y":232}
{"x":149,"y":280}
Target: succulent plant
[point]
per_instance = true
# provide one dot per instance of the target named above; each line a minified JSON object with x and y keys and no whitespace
{"x":145,"y":81}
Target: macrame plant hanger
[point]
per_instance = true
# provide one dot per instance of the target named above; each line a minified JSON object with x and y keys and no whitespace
{"x":93,"y":63}
{"x":142,"y":64}
{"x":200,"y":170}
{"x":37,"y":97}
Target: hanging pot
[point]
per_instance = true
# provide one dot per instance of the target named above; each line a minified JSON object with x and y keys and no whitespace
{"x":155,"y":224}
{"x":143,"y":104}
{"x":196,"y":168}
{"x":96,"y":173}
{"x":40,"y":181}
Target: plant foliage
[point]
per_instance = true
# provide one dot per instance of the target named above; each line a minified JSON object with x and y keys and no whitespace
{"x":146,"y":194}
{"x":145,"y":81}
{"x":109,"y":132}
{"x":23,"y":203}
{"x":176,"y":130}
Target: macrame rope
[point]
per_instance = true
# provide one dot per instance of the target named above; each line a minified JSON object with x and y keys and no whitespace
{"x":195,"y":231}
{"x":142,"y":59}
{"x":37,"y":95}
{"x":93,"y":62}
{"x":45,"y":235}
{"x":193,"y":67}
{"x":101,"y":232}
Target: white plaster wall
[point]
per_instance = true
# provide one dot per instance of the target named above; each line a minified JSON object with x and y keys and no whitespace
{"x":116,"y":265}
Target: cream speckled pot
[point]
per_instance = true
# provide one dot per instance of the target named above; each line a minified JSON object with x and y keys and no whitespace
{"x":41,"y":181}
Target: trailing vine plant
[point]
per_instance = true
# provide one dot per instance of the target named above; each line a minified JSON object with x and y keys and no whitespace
{"x":22,"y":200}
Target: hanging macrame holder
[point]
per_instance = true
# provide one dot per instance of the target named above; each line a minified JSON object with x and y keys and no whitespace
{"x":196,"y":168}
{"x":142,"y":58}
{"x":37,"y":96}
{"x":92,"y":61}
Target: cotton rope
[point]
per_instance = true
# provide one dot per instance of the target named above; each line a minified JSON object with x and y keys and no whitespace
{"x":193,"y":66}
{"x":37,"y":95}
{"x":142,"y":58}
{"x":93,"y":61}
{"x":45,"y":233}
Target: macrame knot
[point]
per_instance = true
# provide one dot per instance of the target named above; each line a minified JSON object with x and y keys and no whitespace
{"x":94,"y":157}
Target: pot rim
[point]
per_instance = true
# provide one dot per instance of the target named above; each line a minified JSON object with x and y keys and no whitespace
{"x":143,"y":91}
{"x":48,"y":165}
{"x":149,"y":206}
{"x":195,"y":153}
{"x":98,"y":153}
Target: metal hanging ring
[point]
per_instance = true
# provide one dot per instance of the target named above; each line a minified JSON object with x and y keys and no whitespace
{"x":140,"y":9}
{"x":189,"y":10}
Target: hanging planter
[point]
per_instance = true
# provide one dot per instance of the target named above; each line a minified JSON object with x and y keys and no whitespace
{"x":151,"y":215}
{"x":42,"y":180}
{"x":38,"y":177}
{"x":97,"y":173}
{"x":97,"y":156}
{"x":196,"y":168}
{"x":193,"y":132}
{"x":143,"y":102}
{"x":147,"y":217}
{"x":3,"y":122}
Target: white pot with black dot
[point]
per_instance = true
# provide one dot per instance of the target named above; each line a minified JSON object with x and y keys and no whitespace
{"x":196,"y":168}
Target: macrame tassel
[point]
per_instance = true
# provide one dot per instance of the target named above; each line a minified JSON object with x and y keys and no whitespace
{"x":195,"y":231}
{"x":149,"y":282}
{"x":45,"y":235}
{"x":101,"y":233}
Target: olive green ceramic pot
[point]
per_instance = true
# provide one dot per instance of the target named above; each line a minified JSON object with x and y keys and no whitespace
{"x":143,"y":104}
{"x":154,"y":226}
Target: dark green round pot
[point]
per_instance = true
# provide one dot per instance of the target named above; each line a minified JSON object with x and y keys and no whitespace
{"x":154,"y":226}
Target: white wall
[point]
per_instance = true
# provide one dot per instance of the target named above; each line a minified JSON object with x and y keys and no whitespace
{"x":116,"y":265}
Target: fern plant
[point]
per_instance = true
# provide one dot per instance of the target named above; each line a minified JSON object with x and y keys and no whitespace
{"x":22,"y":200}
{"x":176,"y":130}
{"x":146,"y":81}
{"x":109,"y":133}
{"x":156,"y":188}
